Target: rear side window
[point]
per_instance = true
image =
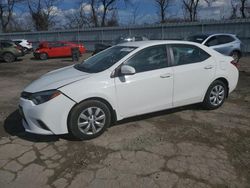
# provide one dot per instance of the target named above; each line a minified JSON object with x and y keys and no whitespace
{"x":186,"y":54}
{"x":149,"y":59}
{"x":56,"y":44}
{"x":6,"y":44}
{"x":223,"y":39}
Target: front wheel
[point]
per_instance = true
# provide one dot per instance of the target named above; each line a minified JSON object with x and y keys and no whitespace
{"x":43,"y":56}
{"x":89,"y":119}
{"x":215,"y":96}
{"x":9,"y":57}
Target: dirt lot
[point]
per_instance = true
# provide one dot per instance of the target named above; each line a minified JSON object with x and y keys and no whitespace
{"x":184,"y":147}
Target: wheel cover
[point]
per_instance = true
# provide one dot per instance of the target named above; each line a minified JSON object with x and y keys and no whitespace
{"x":217,"y":95}
{"x":91,"y":120}
{"x":8,"y":58}
{"x":43,"y":56}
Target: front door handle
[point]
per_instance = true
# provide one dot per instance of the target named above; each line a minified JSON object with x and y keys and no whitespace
{"x":166,"y":75}
{"x":208,"y":67}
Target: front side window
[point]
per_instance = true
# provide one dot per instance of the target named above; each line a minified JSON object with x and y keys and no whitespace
{"x":55,"y":45}
{"x":149,"y":59}
{"x":197,"y":38}
{"x":187,"y":54}
{"x":105,"y":59}
{"x":213,"y":41}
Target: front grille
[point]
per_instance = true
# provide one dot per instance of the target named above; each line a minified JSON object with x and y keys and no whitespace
{"x":26,"y":95}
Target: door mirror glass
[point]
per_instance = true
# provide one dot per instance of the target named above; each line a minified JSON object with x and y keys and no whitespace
{"x":127,"y":70}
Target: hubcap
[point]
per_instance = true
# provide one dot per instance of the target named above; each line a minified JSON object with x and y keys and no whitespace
{"x":91,"y":120}
{"x":217,"y":95}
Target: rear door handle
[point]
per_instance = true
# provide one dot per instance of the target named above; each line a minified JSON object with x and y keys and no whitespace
{"x":167,"y":75}
{"x":208,"y":67}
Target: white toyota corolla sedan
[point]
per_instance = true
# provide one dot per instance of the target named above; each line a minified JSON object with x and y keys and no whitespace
{"x":123,"y":81}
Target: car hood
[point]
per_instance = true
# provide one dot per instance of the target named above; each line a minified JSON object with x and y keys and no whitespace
{"x":56,"y":79}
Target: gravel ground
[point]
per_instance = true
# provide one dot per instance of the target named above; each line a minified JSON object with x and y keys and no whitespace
{"x":184,"y":147}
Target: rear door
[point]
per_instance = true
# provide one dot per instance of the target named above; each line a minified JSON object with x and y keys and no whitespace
{"x":193,"y":70}
{"x":66,"y":49}
{"x":56,"y":49}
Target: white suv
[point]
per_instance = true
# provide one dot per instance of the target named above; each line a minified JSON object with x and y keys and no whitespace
{"x":123,"y":81}
{"x":24,"y":43}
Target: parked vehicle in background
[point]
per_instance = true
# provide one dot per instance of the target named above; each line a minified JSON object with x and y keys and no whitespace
{"x":27,"y":45}
{"x":24,"y":50}
{"x":227,"y":44}
{"x":124,"y":81}
{"x":119,"y":40}
{"x":57,"y":49}
{"x":9,"y":51}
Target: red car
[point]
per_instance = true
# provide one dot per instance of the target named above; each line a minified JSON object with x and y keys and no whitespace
{"x":57,"y":49}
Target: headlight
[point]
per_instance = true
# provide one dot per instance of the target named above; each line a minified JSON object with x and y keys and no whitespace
{"x":44,"y":96}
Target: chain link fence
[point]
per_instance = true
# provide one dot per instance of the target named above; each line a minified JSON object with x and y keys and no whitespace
{"x":178,"y":31}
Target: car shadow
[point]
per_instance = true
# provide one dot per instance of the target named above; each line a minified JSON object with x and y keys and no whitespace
{"x":13,"y":124}
{"x":16,"y":61}
{"x":194,"y":107}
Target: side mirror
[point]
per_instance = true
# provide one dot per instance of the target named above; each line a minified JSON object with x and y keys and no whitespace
{"x":127,"y":70}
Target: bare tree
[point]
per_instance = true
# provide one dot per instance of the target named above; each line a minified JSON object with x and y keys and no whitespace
{"x":78,"y":18}
{"x":135,"y":14}
{"x":190,"y":6}
{"x":94,"y":11}
{"x":243,"y":4}
{"x":107,"y":5}
{"x":113,"y":21}
{"x":100,"y":9}
{"x":6,"y":11}
{"x":162,"y":6}
{"x":42,"y":13}
{"x":234,"y":10}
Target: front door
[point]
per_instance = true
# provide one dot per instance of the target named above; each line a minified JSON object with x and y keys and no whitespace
{"x":151,"y":88}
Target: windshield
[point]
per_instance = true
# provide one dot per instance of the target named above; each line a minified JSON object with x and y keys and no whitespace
{"x":197,"y":38}
{"x":104,"y":60}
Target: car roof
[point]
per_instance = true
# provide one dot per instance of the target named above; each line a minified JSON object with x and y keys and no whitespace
{"x":141,"y":44}
{"x":214,"y":34}
{"x":19,"y":39}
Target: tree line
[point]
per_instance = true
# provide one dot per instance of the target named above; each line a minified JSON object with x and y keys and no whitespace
{"x":41,"y":14}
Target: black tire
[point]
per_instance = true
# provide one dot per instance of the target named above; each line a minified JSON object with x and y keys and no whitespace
{"x":208,"y":102}
{"x":9,"y":57}
{"x":43,"y":56}
{"x":75,"y":119}
{"x":236,"y":56}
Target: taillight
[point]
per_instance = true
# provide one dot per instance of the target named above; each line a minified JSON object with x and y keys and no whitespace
{"x":235,"y":63}
{"x":18,"y":47}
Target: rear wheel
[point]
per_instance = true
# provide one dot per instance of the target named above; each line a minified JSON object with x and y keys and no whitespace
{"x":89,"y":119}
{"x":215,"y":96}
{"x":8,"y":57}
{"x":43,"y":56}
